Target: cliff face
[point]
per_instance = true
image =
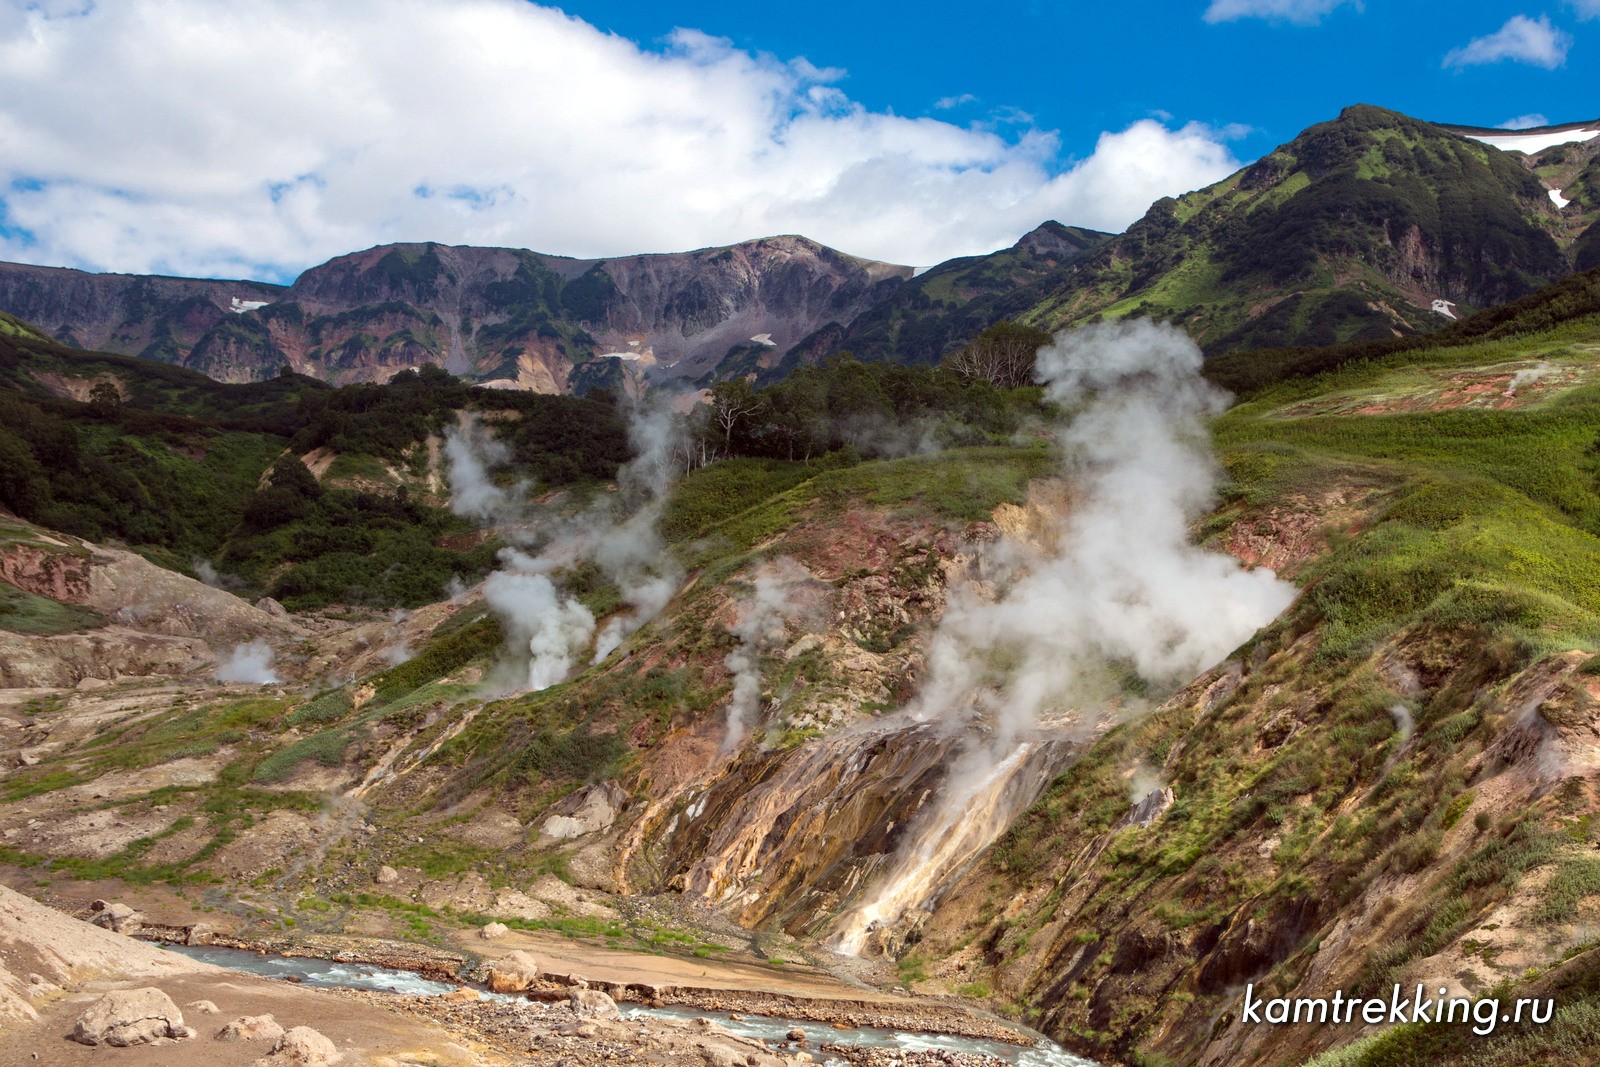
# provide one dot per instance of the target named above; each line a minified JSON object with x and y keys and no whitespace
{"x":507,"y":316}
{"x":158,"y":318}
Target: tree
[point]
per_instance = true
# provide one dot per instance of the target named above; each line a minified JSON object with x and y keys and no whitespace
{"x":105,"y":401}
{"x":731,"y":403}
{"x":1002,"y":355}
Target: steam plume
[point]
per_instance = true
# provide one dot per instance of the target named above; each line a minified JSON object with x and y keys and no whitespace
{"x":763,"y":615}
{"x":1143,"y":781}
{"x":631,"y":553}
{"x":1402,"y":721}
{"x":1121,"y":590}
{"x":470,"y":454}
{"x":548,"y":632}
{"x":1529,"y":375}
{"x":250,"y":662}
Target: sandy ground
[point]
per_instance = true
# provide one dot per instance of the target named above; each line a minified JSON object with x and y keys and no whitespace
{"x":365,"y":1033}
{"x":53,"y":966}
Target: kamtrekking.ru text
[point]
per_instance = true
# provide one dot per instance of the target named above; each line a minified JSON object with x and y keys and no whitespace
{"x":1400,"y":1007}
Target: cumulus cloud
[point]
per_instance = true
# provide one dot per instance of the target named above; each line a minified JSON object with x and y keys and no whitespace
{"x":1521,"y":40}
{"x":181,"y":136}
{"x":1300,"y":12}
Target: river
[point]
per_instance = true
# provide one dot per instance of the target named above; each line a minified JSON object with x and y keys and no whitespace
{"x":329,"y":974}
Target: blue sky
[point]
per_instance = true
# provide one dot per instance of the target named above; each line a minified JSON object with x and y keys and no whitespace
{"x":1086,"y":67}
{"x":189,"y":137}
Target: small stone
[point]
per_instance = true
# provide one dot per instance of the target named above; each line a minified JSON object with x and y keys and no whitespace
{"x":593,"y":1004}
{"x":490,"y":931}
{"x":303,"y":1045}
{"x":387,"y":875}
{"x":797,"y":1035}
{"x":202,"y":1007}
{"x":252,"y":1028}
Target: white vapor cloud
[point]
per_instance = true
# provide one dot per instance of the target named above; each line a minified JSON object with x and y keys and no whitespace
{"x":1524,"y":122}
{"x":1586,"y":9}
{"x":1521,"y":40}
{"x":181,"y":136}
{"x":249,"y":662}
{"x":1300,"y":12}
{"x":945,"y":103}
{"x":1121,"y":589}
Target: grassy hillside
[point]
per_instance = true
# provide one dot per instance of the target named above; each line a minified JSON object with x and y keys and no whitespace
{"x":1442,"y":517}
{"x":186,"y":469}
{"x":1344,"y":234}
{"x":1392,"y":783}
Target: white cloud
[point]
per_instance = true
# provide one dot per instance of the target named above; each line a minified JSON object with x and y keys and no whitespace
{"x":184,"y":136}
{"x":1521,"y":40}
{"x":1524,"y":122}
{"x":1586,"y":9}
{"x":945,"y":103}
{"x":1300,"y":12}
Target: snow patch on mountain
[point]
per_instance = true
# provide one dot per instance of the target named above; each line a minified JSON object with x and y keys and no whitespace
{"x":1530,"y":142}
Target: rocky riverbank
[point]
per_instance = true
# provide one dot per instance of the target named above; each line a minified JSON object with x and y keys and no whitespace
{"x":565,"y":1032}
{"x":926,"y":1015}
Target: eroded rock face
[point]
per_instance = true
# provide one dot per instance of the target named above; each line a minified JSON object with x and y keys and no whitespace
{"x":130,"y":1017}
{"x":587,"y":811}
{"x":793,"y":833}
{"x":366,"y":315}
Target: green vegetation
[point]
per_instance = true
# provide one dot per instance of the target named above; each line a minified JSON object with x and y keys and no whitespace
{"x":1319,"y":242}
{"x":187,"y":469}
{"x":25,"y":613}
{"x":1568,"y":308}
{"x":936,"y":313}
{"x":871,"y":408}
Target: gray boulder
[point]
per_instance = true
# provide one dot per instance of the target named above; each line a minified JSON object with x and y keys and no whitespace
{"x":130,"y":1017}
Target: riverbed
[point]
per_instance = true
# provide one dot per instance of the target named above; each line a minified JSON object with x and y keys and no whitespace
{"x":772,"y":1029}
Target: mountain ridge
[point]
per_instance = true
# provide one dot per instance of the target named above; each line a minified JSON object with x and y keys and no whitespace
{"x":1370,"y":225}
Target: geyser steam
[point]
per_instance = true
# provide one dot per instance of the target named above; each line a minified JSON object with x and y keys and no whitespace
{"x":631,"y":553}
{"x":1121,"y":589}
{"x":470,"y":454}
{"x":777,"y":597}
{"x":548,"y":633}
{"x":250,"y":662}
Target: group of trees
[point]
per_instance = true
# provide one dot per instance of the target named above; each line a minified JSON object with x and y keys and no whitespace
{"x":309,"y":545}
{"x":981,"y":393}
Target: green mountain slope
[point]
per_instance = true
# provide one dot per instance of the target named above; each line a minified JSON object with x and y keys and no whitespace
{"x":189,"y":470}
{"x":1348,"y":232}
{"x":1437,"y":504}
{"x":936,"y":312}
